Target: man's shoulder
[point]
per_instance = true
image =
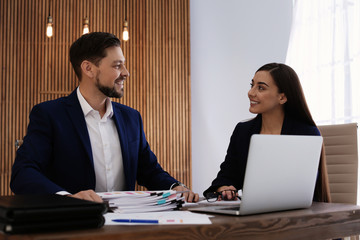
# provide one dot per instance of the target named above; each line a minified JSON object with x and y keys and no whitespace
{"x":124,"y":109}
{"x":55,"y":104}
{"x":51,"y":104}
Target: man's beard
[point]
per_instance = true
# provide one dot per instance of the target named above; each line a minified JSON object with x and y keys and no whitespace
{"x":108,"y":91}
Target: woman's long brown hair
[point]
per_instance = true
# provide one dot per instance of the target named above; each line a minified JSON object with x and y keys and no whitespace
{"x":288,"y":83}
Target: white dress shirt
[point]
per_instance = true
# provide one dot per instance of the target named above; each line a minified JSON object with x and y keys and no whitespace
{"x":105,"y":145}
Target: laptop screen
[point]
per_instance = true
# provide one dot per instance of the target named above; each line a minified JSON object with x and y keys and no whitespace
{"x":281,"y":172}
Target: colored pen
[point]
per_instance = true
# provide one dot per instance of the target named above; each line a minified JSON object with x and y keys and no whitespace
{"x":136,"y":221}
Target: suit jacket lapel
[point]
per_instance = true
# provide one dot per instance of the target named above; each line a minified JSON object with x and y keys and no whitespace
{"x":78,"y":119}
{"x":120,"y":125}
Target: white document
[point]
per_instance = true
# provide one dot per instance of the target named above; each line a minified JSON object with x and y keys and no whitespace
{"x":165,"y":217}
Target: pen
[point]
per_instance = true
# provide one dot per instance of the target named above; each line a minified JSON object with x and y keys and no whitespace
{"x":136,"y":220}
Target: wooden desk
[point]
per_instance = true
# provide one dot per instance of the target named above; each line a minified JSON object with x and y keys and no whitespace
{"x":321,"y":221}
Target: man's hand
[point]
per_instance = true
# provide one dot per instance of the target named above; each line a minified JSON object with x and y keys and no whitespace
{"x":189,"y":196}
{"x":89,"y":195}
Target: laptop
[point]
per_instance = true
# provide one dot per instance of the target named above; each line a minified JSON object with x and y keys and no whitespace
{"x":280,"y":175}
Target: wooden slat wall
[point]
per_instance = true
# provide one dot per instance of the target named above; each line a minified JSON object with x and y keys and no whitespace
{"x":35,"y":68}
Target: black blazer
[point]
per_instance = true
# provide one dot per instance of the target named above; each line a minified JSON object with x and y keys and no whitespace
{"x":232,"y":170}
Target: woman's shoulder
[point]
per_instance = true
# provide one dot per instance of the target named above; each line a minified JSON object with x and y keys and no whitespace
{"x":248,"y":124}
{"x":302,"y":128}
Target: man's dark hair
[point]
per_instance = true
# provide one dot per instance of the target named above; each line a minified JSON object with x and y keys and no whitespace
{"x":91,"y":47}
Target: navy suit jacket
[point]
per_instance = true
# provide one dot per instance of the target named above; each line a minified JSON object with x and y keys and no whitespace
{"x":232,"y":170}
{"x":56,"y":153}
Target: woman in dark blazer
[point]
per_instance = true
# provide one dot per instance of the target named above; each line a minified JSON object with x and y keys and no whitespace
{"x":276,"y":96}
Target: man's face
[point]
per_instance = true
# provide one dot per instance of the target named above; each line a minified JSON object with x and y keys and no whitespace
{"x":112,"y":73}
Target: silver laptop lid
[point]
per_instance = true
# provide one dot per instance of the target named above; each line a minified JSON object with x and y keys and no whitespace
{"x":281,"y":173}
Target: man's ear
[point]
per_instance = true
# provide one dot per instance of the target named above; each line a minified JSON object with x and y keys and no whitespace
{"x":87,"y":68}
{"x":283,"y":98}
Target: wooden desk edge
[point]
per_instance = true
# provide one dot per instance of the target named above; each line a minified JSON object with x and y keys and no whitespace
{"x":321,"y":221}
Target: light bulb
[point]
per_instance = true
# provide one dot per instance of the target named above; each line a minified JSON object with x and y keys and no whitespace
{"x":125,"y":34}
{"x":49,"y":27}
{"x":86,"y":26}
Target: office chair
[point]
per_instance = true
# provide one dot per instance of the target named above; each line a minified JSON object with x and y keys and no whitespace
{"x":341,"y":150}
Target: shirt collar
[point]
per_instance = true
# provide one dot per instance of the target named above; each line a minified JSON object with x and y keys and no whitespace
{"x":86,"y":108}
{"x":109,"y":109}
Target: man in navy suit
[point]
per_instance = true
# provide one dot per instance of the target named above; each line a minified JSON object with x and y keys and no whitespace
{"x":84,"y":143}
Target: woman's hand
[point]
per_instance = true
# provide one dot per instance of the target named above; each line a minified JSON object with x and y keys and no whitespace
{"x":227,"y":193}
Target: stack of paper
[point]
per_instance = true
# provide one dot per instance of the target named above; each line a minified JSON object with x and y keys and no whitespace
{"x":142,"y":201}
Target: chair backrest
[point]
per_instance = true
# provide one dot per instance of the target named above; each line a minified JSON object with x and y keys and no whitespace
{"x":341,"y":150}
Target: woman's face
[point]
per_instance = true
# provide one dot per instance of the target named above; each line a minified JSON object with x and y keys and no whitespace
{"x":264,"y":95}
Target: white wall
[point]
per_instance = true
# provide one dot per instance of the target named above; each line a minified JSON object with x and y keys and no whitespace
{"x":230,"y":40}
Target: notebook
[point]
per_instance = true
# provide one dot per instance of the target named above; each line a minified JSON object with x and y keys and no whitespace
{"x":36,"y":213}
{"x":280,"y":175}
